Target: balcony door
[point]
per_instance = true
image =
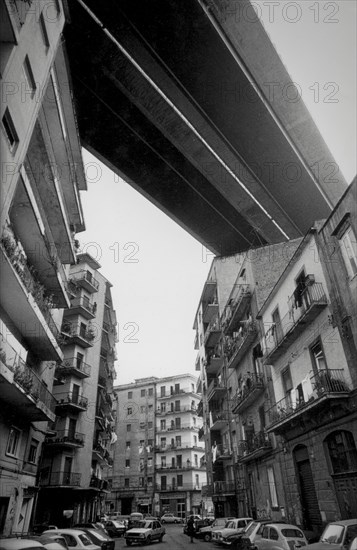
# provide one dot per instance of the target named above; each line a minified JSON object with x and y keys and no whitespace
{"x":278,"y":332}
{"x":75,"y":393}
{"x":67,"y":470}
{"x":72,"y":428}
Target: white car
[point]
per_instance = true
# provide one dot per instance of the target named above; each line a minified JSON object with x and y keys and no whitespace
{"x":281,"y":536}
{"x":75,"y":538}
{"x":145,"y":532}
{"x":170,"y":518}
{"x":237,"y":525}
{"x":20,"y":544}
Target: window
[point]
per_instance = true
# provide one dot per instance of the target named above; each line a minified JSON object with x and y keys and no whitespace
{"x":32,"y":456}
{"x":163,"y":407}
{"x":10,"y":131}
{"x":318,"y":358}
{"x":151,"y":391}
{"x":149,"y":480}
{"x":150,"y":442}
{"x":342,"y":452}
{"x":162,"y":391}
{"x":150,"y":407}
{"x":197,"y":478}
{"x":272,"y":487}
{"x":128,"y":444}
{"x":178,"y":441}
{"x":141,"y":482}
{"x":163,"y":442}
{"x":128,"y":427}
{"x":177,"y":405}
{"x":178,"y":423}
{"x":163,"y":483}
{"x":163,"y":461}
{"x":129,"y":411}
{"x":273,"y":534}
{"x":142,"y":425}
{"x":44,"y":31}
{"x":29,"y":78}
{"x":163,"y":424}
{"x":150,"y":425}
{"x":287,"y":384}
{"x":142,"y":442}
{"x":195,"y":440}
{"x":142,"y":408}
{"x":142,"y":393}
{"x":13,"y":442}
{"x":348,"y":246}
{"x":130,"y":395}
{"x":141,"y":464}
{"x":126,"y":482}
{"x":195,"y":458}
{"x":127,"y":463}
{"x":150,"y":462}
{"x":177,"y":388}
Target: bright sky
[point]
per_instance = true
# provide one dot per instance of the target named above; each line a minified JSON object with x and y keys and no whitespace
{"x":156,"y":268}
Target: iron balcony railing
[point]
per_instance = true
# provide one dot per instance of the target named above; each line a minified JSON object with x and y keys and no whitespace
{"x":83,"y":302}
{"x":222,"y":452}
{"x":67,"y":436}
{"x":235,"y":346}
{"x":85,"y":276}
{"x":48,"y":478}
{"x":252,"y":385}
{"x":77,"y":330}
{"x":223,"y":487}
{"x":71,"y":398}
{"x":234,"y":307}
{"x":259,"y":442}
{"x":175,"y":487}
{"x":101,"y":484}
{"x":74,"y":364}
{"x":302,"y":308}
{"x":322,"y":384}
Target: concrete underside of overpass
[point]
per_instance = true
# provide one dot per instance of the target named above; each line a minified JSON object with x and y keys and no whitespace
{"x":191,"y":106}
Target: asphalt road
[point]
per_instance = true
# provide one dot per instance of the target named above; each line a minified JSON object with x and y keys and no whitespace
{"x":174,"y":539}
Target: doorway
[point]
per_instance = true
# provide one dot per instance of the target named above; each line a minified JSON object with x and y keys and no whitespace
{"x":311,"y":516}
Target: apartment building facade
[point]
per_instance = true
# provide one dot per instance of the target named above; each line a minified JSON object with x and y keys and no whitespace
{"x":79,"y":445}
{"x":41,"y":212}
{"x":278,"y":375}
{"x":160,"y":466}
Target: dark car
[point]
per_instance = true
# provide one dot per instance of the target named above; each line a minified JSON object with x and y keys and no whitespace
{"x":115,"y":528}
{"x":99,"y":538}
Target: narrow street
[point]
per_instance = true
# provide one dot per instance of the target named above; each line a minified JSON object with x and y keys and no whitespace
{"x":173,"y":539}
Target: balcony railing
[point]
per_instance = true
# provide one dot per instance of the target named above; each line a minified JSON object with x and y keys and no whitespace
{"x":216,"y":389}
{"x":86,"y":280}
{"x":101,"y":484}
{"x":61,"y":478}
{"x":223,"y":487}
{"x":71,"y":399}
{"x":213,"y":333}
{"x":326,"y":384}
{"x":214,"y":360}
{"x":175,"y":410}
{"x":74,"y":365}
{"x":252,"y":386}
{"x":218,"y":420}
{"x":235,"y":347}
{"x":222,"y":452}
{"x":83,"y":305}
{"x":164,"y":467}
{"x":303,"y":309}
{"x":235,"y":308}
{"x":67,"y":437}
{"x":256,"y":446}
{"x":175,"y":487}
{"x":78,"y":333}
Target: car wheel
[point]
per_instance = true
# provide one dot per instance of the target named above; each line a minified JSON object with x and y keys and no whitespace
{"x":161,"y":537}
{"x":207,"y":537}
{"x":148,"y":540}
{"x":163,"y":521}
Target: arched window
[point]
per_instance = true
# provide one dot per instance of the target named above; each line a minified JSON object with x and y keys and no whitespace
{"x":342,"y":452}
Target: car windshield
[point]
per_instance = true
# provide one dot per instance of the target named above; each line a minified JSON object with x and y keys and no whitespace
{"x":144,"y":524}
{"x":96,"y":534}
{"x":333,"y":534}
{"x":292,"y":533}
{"x":250,"y":528}
{"x":84,"y":540}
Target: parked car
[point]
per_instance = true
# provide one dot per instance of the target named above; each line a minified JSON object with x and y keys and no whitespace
{"x":115,"y":528}
{"x":252,"y":533}
{"x":336,"y":535}
{"x":99,"y":538}
{"x":20,"y":544}
{"x":134,"y":519}
{"x":95,"y":525}
{"x":280,"y":536}
{"x":170,"y":518}
{"x":145,"y":532}
{"x":75,"y":538}
{"x":205,"y":533}
{"x":353,"y":545}
{"x":237,"y":525}
{"x":51,"y":542}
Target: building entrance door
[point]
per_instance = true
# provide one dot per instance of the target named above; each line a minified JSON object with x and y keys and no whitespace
{"x":309,"y":503}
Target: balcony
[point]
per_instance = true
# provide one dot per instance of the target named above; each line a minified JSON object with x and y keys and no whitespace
{"x":255,"y":447}
{"x":200,"y":408}
{"x":223,"y":488}
{"x":85,"y":280}
{"x":326,"y":387}
{"x":22,"y":388}
{"x":214,"y":361}
{"x":177,"y":410}
{"x":24,"y":298}
{"x":177,"y":488}
{"x":235,"y":308}
{"x":218,"y":421}
{"x":66,"y":438}
{"x":100,"y":484}
{"x":252,"y":387}
{"x":101,"y":454}
{"x":213,"y":333}
{"x":71,"y":401}
{"x":59,"y":479}
{"x":210,"y":310}
{"x":170,"y":468}
{"x":82,"y":306}
{"x":78,"y":334}
{"x":303,"y":309}
{"x":221,"y":452}
{"x":74,"y":366}
{"x":236,"y":347}
{"x":216,"y":390}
